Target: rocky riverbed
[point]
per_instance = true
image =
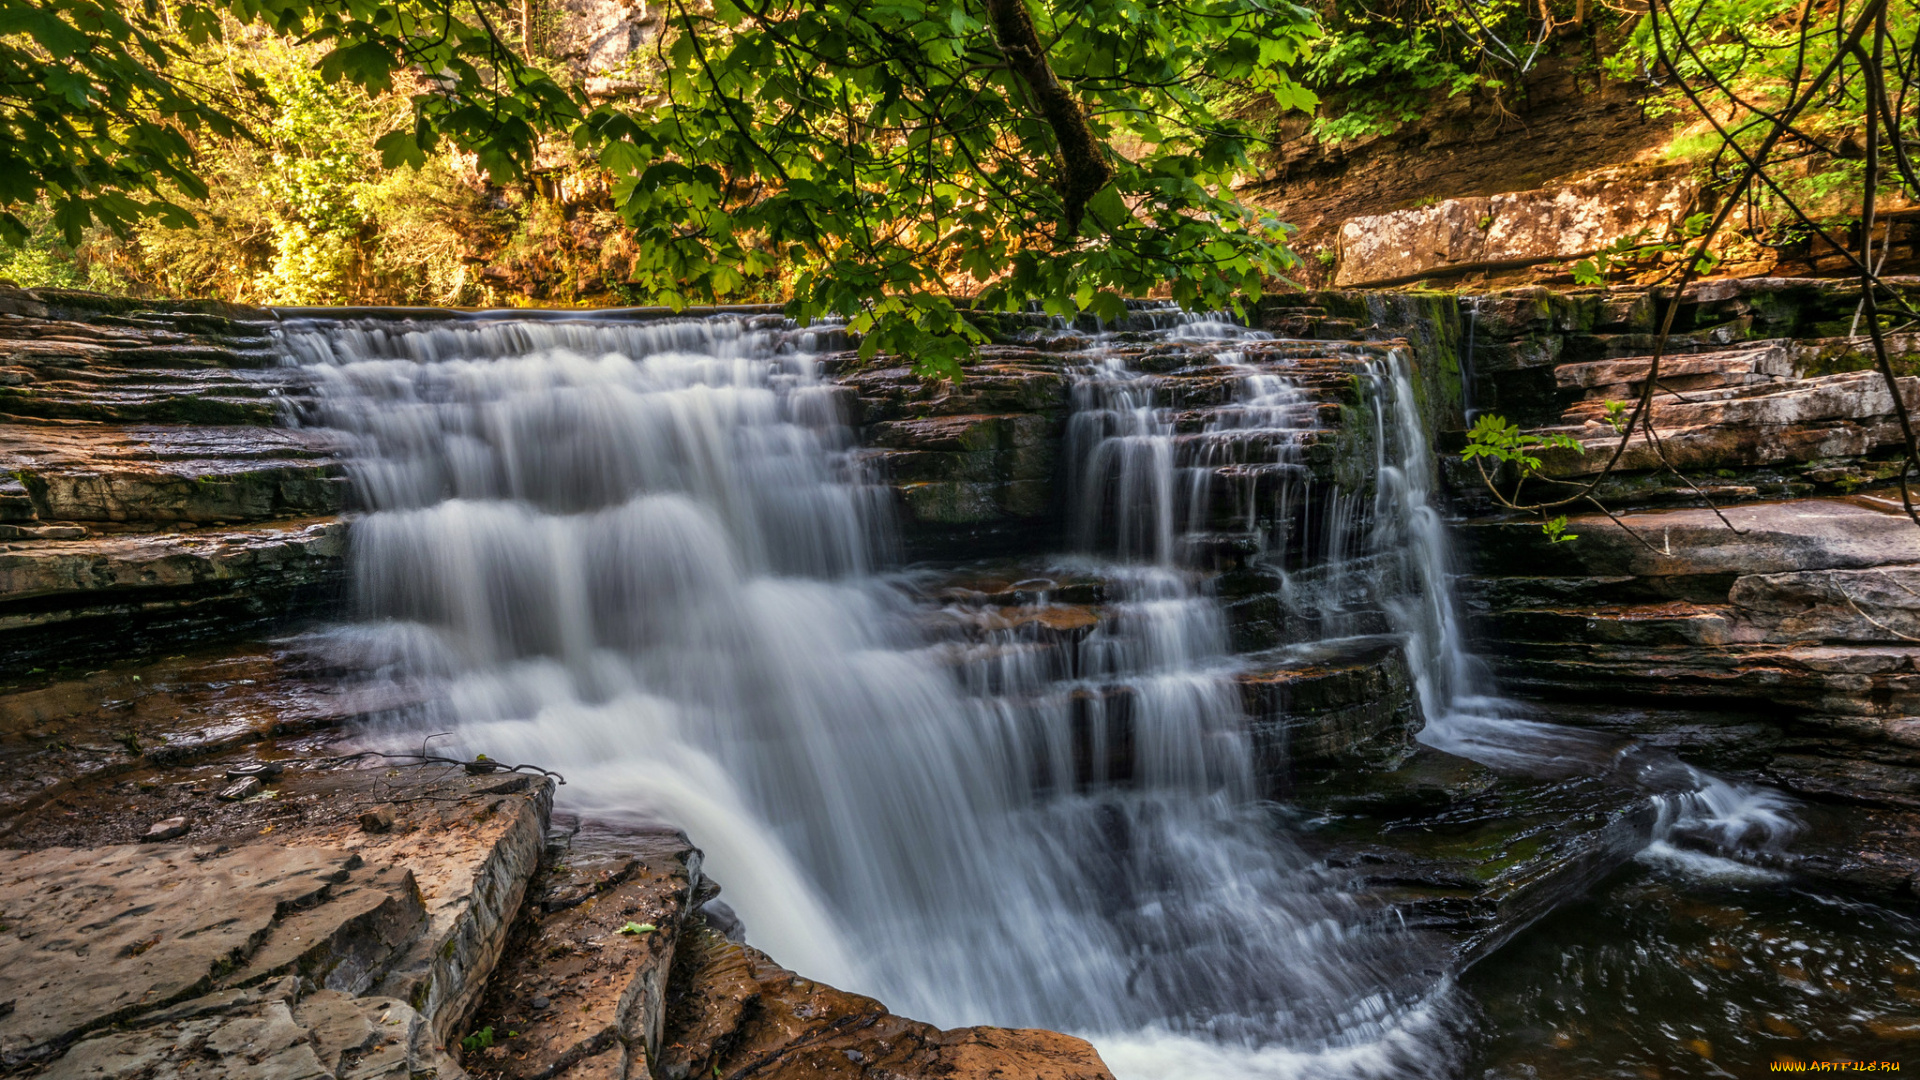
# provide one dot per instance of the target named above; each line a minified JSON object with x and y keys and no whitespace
{"x":170,"y":732}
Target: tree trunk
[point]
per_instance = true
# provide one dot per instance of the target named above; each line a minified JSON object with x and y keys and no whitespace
{"x":1081,"y":157}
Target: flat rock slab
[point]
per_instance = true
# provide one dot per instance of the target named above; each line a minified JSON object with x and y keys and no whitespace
{"x":1469,"y":855}
{"x":1340,"y":703}
{"x":273,"y":1033}
{"x":144,"y":719}
{"x":583,"y":989}
{"x":1774,"y":538}
{"x":94,"y":936}
{"x":286,"y":883}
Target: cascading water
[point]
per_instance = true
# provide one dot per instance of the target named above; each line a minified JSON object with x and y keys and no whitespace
{"x":649,"y":556}
{"x":643,"y":555}
{"x":1464,"y":715}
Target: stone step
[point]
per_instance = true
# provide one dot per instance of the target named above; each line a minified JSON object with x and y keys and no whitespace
{"x":163,"y":474}
{"x":148,"y":395}
{"x":1834,"y":416}
{"x":1338,"y":702}
{"x":115,"y":595}
{"x":1624,"y":379}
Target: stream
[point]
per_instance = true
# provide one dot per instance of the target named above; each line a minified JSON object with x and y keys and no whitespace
{"x":653,"y":557}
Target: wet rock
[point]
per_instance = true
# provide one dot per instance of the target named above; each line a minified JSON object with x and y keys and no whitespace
{"x":1808,"y":612}
{"x":117,"y":594}
{"x":1469,"y":854}
{"x":170,"y":829}
{"x":733,"y":1008}
{"x":598,"y":996}
{"x":245,"y":788}
{"x":1349,"y":703}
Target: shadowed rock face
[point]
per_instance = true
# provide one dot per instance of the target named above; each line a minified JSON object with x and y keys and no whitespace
{"x":149,"y":494}
{"x":1796,"y":607}
{"x":1806,"y":613}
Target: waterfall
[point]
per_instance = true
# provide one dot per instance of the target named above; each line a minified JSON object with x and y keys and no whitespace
{"x":648,"y":556}
{"x":1464,"y":714}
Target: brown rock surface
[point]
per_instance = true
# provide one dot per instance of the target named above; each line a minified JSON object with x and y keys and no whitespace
{"x":583,"y":989}
{"x":284,"y":884}
{"x":734,"y":1012}
{"x":1348,"y":704}
{"x":124,"y":428}
{"x":1514,"y":229}
{"x":1807,"y":613}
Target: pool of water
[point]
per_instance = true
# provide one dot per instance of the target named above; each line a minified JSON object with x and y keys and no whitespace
{"x":1684,"y":964}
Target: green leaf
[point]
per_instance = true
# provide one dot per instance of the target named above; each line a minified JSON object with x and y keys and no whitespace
{"x":635,"y":929}
{"x":1108,"y":209}
{"x":399,"y":148}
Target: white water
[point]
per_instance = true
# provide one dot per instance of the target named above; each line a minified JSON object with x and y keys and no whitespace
{"x":648,"y":557}
{"x":1466,"y":717}
{"x":643,"y":556}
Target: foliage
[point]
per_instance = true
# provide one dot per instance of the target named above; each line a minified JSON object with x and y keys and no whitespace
{"x":102,"y":106}
{"x":634,"y":929}
{"x":1744,"y":61}
{"x":1388,"y":77}
{"x":898,"y":164}
{"x":479,"y":1040}
{"x":43,"y":259}
{"x":1493,"y":438}
{"x":1636,"y":248}
{"x":880,"y":160}
{"x":1380,"y":65}
{"x":302,"y":213}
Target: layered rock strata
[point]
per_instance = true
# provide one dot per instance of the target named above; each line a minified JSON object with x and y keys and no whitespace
{"x":274,"y":932}
{"x":149,"y":496}
{"x":1795,"y":602}
{"x":624,"y":967}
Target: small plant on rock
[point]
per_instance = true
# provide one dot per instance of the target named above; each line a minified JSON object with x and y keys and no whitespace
{"x":1493,"y":437}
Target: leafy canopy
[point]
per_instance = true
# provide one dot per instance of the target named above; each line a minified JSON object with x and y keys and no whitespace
{"x":884,"y":157}
{"x":875,"y":160}
{"x":100,"y":104}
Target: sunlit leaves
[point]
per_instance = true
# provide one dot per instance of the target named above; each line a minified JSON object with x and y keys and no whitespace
{"x":97,"y":122}
{"x":878,"y":159}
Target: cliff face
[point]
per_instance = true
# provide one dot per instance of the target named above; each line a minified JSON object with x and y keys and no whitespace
{"x":156,"y":496}
{"x":152,"y":492}
{"x":1796,"y":611}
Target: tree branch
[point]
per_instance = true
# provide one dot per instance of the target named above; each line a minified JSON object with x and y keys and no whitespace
{"x":1081,"y":157}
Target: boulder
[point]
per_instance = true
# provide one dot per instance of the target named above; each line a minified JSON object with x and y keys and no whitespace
{"x":1515,"y":229}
